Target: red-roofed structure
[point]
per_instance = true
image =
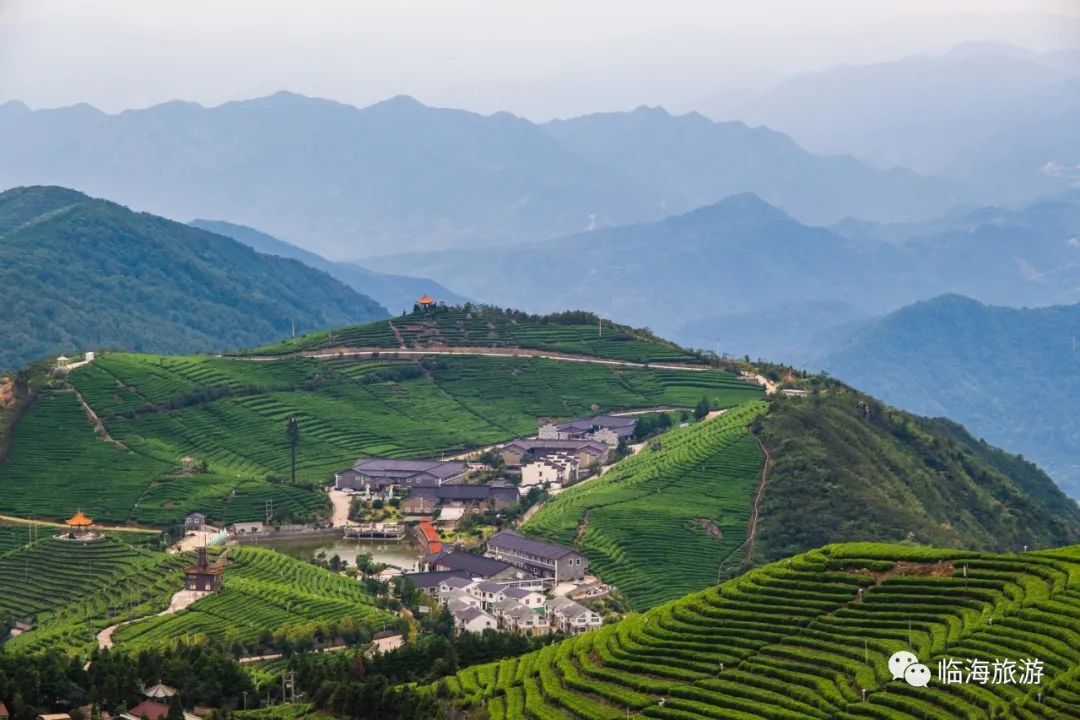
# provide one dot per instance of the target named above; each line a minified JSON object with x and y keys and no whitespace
{"x":149,"y":709}
{"x":430,"y":537}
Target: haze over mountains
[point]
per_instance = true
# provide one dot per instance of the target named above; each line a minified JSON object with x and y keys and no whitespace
{"x":718,"y":277}
{"x":397,"y":293}
{"x":399,"y":176}
{"x":988,"y":115}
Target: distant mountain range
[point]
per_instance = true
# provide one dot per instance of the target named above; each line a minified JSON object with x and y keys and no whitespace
{"x":996,"y":118}
{"x":1009,"y":375}
{"x":742,"y":277}
{"x":397,"y":293}
{"x":80,"y":274}
{"x":399,"y":176}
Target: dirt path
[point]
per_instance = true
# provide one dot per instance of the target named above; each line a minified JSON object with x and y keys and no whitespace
{"x":341,"y":502}
{"x":763,"y":477}
{"x":62,"y":526}
{"x":195,"y":540}
{"x":99,"y":426}
{"x":397,"y":334}
{"x":482,"y":351}
{"x":179,"y":601}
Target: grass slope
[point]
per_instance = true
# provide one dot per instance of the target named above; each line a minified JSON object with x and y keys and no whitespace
{"x":264,"y":591}
{"x":797,"y":640}
{"x":80,"y":273}
{"x":663,"y":522}
{"x":230,"y":414}
{"x":846,"y":467}
{"x":575,"y":333}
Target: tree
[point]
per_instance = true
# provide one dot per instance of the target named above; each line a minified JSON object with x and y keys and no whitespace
{"x":292,"y":432}
{"x":702,"y":409}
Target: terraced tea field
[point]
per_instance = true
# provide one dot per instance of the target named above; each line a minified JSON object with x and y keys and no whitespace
{"x":73,"y":590}
{"x":229,"y":414}
{"x":663,"y":522}
{"x":264,"y":590}
{"x":803,"y":638}
{"x":493,"y":328}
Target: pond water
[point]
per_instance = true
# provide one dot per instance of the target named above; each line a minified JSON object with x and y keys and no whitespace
{"x":401,"y":554}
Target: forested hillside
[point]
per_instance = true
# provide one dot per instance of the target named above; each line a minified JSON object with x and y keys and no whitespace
{"x":847,"y":467}
{"x":1008,"y":375}
{"x":81,"y":274}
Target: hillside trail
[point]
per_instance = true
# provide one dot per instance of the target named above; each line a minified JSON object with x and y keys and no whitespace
{"x":98,"y":425}
{"x":397,"y":334}
{"x":341,"y":502}
{"x":763,"y":477}
{"x":97,"y":526}
{"x":180,"y":601}
{"x":481,"y":351}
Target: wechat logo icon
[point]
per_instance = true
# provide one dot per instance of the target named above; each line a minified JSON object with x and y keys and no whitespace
{"x":905,"y":666}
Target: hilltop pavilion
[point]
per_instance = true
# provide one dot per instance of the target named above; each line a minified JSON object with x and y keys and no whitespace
{"x":80,"y":527}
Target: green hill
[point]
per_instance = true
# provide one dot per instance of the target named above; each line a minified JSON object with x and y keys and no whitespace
{"x":1009,"y":375}
{"x":265,"y":591}
{"x":82,"y":274}
{"x":842,"y":467}
{"x":804,"y":638}
{"x":73,"y":590}
{"x":862,"y":470}
{"x":669,"y":519}
{"x":228,"y":415}
{"x":574,"y":333}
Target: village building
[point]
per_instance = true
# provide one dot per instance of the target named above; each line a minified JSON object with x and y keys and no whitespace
{"x":572,"y":617}
{"x":473,"y":619}
{"x":378,"y":475}
{"x":53,"y":716}
{"x":540,"y":558}
{"x":476,"y":566}
{"x":609,"y":429}
{"x":556,"y":469}
{"x":430,"y":582}
{"x":195,"y":521}
{"x":247,"y":528}
{"x":4,"y":714}
{"x":203,"y":576}
{"x":588,"y":453}
{"x":424,"y":499}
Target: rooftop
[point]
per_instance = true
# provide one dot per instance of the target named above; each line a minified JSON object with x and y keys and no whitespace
{"x":510,"y":540}
{"x":475,"y":565}
{"x":432,"y":579}
{"x":386,"y":467}
{"x":529,"y":444}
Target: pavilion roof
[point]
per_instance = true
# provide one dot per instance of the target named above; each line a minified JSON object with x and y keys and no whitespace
{"x":79,"y":520}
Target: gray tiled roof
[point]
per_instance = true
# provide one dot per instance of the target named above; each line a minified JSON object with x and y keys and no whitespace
{"x":385,"y":467}
{"x":535,"y":444}
{"x":510,"y":540}
{"x":474,"y":565}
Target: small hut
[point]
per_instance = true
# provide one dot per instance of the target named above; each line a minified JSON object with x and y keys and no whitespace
{"x":203,"y":576}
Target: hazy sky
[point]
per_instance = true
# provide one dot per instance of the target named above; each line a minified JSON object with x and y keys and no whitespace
{"x":539,"y":59}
